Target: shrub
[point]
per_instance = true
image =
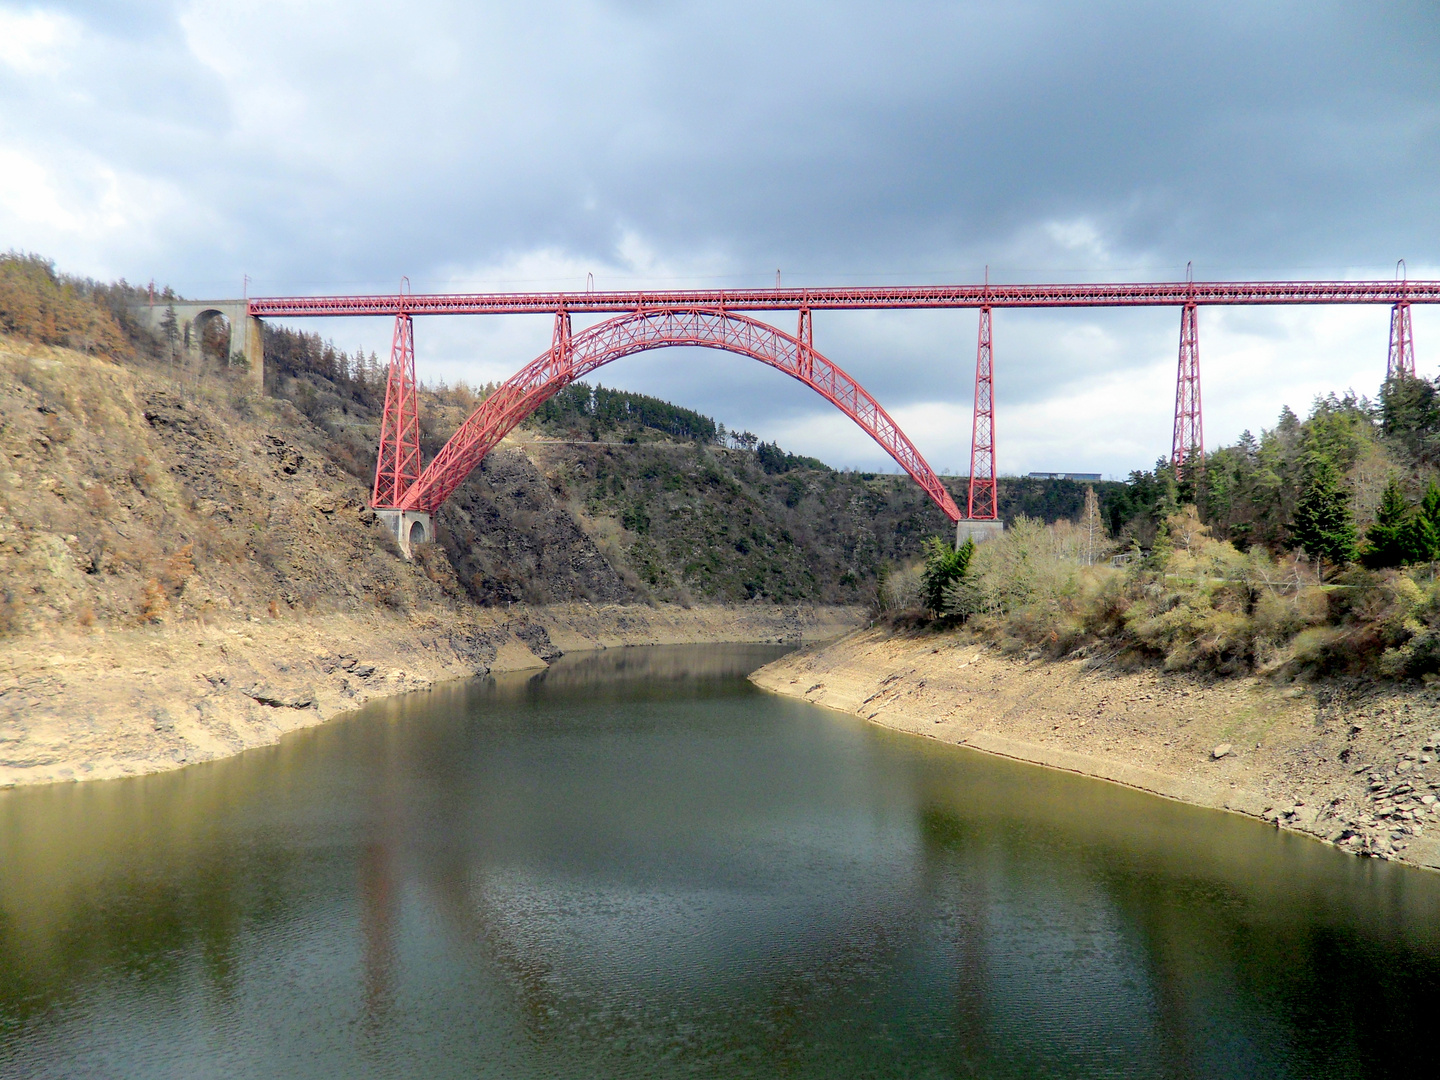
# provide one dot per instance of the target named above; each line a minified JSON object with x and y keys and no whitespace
{"x":154,"y":605}
{"x":178,"y":569}
{"x":1199,"y":604}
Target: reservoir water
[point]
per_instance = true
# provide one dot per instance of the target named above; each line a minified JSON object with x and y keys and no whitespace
{"x":635,"y":864}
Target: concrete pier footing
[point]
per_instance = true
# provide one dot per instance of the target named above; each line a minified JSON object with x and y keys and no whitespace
{"x":979,"y":531}
{"x":409,"y":527}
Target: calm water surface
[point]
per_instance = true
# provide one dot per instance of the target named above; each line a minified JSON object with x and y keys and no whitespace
{"x":635,"y":864}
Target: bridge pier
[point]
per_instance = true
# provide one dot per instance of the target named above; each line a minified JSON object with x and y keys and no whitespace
{"x":979,"y":531}
{"x":409,"y":527}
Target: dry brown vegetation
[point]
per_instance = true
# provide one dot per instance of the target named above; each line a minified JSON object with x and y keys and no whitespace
{"x":131,"y":497}
{"x":1193,"y":603}
{"x":41,"y":306}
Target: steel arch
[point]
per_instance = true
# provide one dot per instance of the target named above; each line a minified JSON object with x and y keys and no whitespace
{"x":572,"y":357}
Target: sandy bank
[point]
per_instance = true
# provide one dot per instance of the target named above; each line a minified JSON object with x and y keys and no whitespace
{"x":118,"y":703}
{"x":1346,"y":765}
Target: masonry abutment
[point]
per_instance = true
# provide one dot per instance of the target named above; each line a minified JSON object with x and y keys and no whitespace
{"x":247,"y":335}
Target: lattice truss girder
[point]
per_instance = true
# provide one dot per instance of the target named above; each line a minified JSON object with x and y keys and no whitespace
{"x":571,"y":357}
{"x":1137,"y":294}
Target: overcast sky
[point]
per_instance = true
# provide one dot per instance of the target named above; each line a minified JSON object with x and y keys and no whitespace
{"x":334,"y":147}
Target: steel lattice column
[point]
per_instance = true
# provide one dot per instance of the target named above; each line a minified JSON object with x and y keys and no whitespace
{"x":398,"y":465}
{"x":1189,"y":440}
{"x":1402,"y":343}
{"x":805,"y":334}
{"x":983,"y":504}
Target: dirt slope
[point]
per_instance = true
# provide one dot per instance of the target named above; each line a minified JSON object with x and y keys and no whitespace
{"x":117,"y":702}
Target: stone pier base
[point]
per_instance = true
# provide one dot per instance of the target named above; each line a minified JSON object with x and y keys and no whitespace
{"x":979,"y":531}
{"x":409,"y":527}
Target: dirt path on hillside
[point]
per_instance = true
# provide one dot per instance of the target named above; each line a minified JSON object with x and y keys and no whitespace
{"x":1349,"y":765}
{"x":120,"y":703}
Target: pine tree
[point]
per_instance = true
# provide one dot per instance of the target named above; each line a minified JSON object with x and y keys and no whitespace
{"x":170,"y":328}
{"x":944,"y":565}
{"x":1389,"y":540}
{"x":1430,"y":504}
{"x":1162,"y":548}
{"x":1425,"y":528}
{"x":1323,"y":524}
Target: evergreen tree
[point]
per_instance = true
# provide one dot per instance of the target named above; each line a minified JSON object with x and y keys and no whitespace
{"x":1162,"y":549}
{"x":1323,"y":524}
{"x":1249,"y":448}
{"x":170,"y":328}
{"x":1425,"y":527}
{"x":944,"y":565}
{"x":1410,"y":415}
{"x":1390,"y":539}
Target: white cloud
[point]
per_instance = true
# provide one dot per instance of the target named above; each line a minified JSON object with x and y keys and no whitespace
{"x":36,"y":42}
{"x":28,"y":196}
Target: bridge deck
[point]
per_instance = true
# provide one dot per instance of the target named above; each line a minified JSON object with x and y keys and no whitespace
{"x":1144,"y":294}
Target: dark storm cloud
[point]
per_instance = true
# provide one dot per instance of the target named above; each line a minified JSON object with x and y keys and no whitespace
{"x":337,"y":146}
{"x":865,"y":136}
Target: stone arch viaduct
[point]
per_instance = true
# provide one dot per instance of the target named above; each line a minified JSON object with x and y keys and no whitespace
{"x":193,"y":317}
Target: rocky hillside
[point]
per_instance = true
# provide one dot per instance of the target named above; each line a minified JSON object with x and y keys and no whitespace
{"x":131,"y":494}
{"x":693,"y":520}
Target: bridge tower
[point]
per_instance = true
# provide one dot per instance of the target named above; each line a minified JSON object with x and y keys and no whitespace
{"x":1402,"y":343}
{"x":982,"y":507}
{"x":398,"y":464}
{"x":1189,"y":438}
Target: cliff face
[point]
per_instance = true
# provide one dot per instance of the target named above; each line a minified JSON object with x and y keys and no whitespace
{"x":509,"y":539}
{"x":134,"y":497}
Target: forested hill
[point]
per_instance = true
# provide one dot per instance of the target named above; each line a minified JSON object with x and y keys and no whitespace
{"x":583,"y":410}
{"x":1352,"y":482}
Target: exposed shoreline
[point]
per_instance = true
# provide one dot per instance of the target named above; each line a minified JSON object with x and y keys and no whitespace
{"x":1342,"y":765}
{"x":112,"y":703}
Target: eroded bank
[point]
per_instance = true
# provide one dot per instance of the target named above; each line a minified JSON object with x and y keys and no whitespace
{"x":112,"y":703}
{"x":1348,"y":765}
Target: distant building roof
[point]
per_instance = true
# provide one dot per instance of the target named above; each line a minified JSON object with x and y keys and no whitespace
{"x":1091,"y":476}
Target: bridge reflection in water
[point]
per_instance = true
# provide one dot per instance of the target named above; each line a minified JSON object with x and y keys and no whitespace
{"x":636,"y":864}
